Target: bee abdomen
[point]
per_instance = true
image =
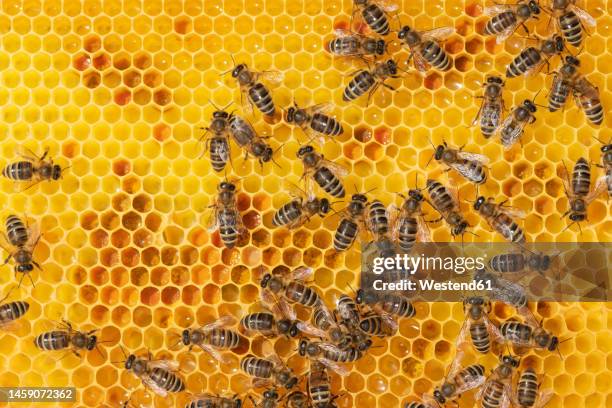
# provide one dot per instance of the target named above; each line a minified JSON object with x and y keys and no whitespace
{"x":261,"y":98}
{"x":329,"y":182}
{"x":407,"y":233}
{"x":23,"y":170}
{"x":500,"y":23}
{"x":345,"y":235}
{"x":581,"y":180}
{"x":167,"y":380}
{"x":414,"y":404}
{"x":53,"y":340}
{"x":13,"y":311}
{"x":224,"y":338}
{"x":344,"y":46}
{"x":378,"y":218}
{"x":558,"y":96}
{"x":592,"y":109}
{"x":490,"y":118}
{"x":571,"y":28}
{"x":472,"y":373}
{"x":228,"y":227}
{"x":16,"y":231}
{"x":256,"y":367}
{"x":480,"y":337}
{"x":218,"y":148}
{"x":436,"y":56}
{"x":258,"y":321}
{"x":326,"y":125}
{"x":302,"y":294}
{"x":527,"y":390}
{"x":492,"y":396}
{"x":287,"y":213}
{"x":359,"y":85}
{"x":376,"y":19}
{"x":440,"y":196}
{"x":508,"y":263}
{"x":526,"y":60}
{"x":514,"y":331}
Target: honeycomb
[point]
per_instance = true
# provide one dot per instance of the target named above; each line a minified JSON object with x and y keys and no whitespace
{"x":118,"y":90}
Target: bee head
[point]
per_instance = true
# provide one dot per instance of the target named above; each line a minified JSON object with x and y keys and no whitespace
{"x":290,"y":114}
{"x":479,"y":202}
{"x":239,"y":68}
{"x":304,"y":150}
{"x":270,"y":394}
{"x":226,"y":186}
{"x":293,"y":330}
{"x":494,"y":80}
{"x":416,"y":195}
{"x":439,"y":152}
{"x":571,"y":60}
{"x":266,"y":156}
{"x":530,"y":105}
{"x":554,"y":343}
{"x":559,"y":4}
{"x":577,"y":217}
{"x":266,"y":278}
{"x":56,"y":172}
{"x":130,"y":361}
{"x":91,"y":342}
{"x":380,"y":47}
{"x":365,"y":345}
{"x":324,"y":206}
{"x":545,"y":262}
{"x":220,"y":114}
{"x":186,"y":337}
{"x":559,"y":44}
{"x":534,"y":7}
{"x":291,"y":383}
{"x":509,"y":360}
{"x":403,"y":32}
{"x":360,"y":198}
{"x":460,"y":229}
{"x":437,"y":394}
{"x":302,"y":346}
{"x":237,"y":403}
{"x":24,"y":268}
{"x":392,"y":66}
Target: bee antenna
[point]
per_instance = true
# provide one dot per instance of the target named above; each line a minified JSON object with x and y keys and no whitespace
{"x":214,"y":105}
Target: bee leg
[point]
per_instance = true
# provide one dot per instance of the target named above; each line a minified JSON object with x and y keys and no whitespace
{"x":8,"y":258}
{"x":44,"y":154}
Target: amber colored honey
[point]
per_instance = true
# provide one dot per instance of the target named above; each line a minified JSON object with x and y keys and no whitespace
{"x":118,"y":90}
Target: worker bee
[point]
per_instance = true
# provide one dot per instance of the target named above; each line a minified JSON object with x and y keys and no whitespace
{"x":297,"y":399}
{"x":370,"y":79}
{"x":213,"y":401}
{"x":500,"y":218}
{"x":531,"y":58}
{"x":527,"y":391}
{"x":514,"y":125}
{"x":255,"y":91}
{"x":578,"y":191}
{"x":348,"y":311}
{"x":425,"y":48}
{"x":293,"y":287}
{"x":430,"y":403}
{"x":482,"y":331}
{"x":492,"y":106}
{"x":504,"y":291}
{"x":587,"y":98}
{"x":506,"y":18}
{"x":280,"y":320}
{"x":325,"y":173}
{"x":469,"y":165}
{"x":218,"y":144}
{"x":66,"y":337}
{"x":380,"y":325}
{"x":325,"y":320}
{"x":458,"y":380}
{"x":11,"y":311}
{"x":226,"y":216}
{"x":32,"y":168}
{"x":329,"y":354}
{"x":319,"y":387}
{"x":158,"y":375}
{"x":213,"y":337}
{"x":352,"y":221}
{"x":407,"y":222}
{"x":298,"y":211}
{"x":606,"y":164}
{"x":389,"y":303}
{"x":497,"y":389}
{"x":570,"y":20}
{"x":271,"y":399}
{"x":519,"y":261}
{"x":314,"y":121}
{"x":245,"y":136}
{"x":447,"y":206}
{"x":374,"y":14}
{"x":525,"y":335}
{"x":377,"y":220}
{"x":563,"y":82}
{"x":268,"y":370}
{"x":350,"y":44}
{"x":24,"y":242}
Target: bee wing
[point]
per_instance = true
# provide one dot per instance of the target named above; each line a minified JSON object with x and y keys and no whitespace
{"x":33,"y":235}
{"x":439,"y":34}
{"x":261,"y":382}
{"x":302,"y":273}
{"x":337,"y":169}
{"x":455,"y":366}
{"x":332,"y":365}
{"x":395,"y":220}
{"x":169,"y":365}
{"x":494,"y":332}
{"x":512,"y":211}
{"x":212,"y":221}
{"x":297,"y":192}
{"x":298,"y":222}
{"x":390,"y":321}
{"x":465,"y":170}
{"x":311,"y":330}
{"x":600,"y":187}
{"x":480,"y":158}
{"x":496,"y":9}
{"x":471,"y":384}
{"x":320,"y":108}
{"x":152,"y":385}
{"x":583,"y":15}
{"x":387,"y":5}
{"x":516,"y":132}
{"x":274,"y":358}
{"x":27,"y":154}
{"x":274,"y":77}
{"x":12,"y":325}
{"x":330,"y":348}
{"x":340,"y":33}
{"x":247,"y":105}
{"x":223,"y":321}
{"x":423,"y":234}
{"x":214,"y":353}
{"x":419,"y":62}
{"x":545,"y":397}
{"x":504,"y":35}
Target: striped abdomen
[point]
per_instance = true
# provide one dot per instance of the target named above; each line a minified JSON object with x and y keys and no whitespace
{"x":379,"y":221}
{"x":223,"y":338}
{"x":374,"y":325}
{"x":407,"y":232}
{"x":345,"y":234}
{"x":500,"y":23}
{"x":480,"y":336}
{"x":258,"y":321}
{"x":326,"y":124}
{"x":329,"y":182}
{"x":53,"y":340}
{"x":440,"y":196}
{"x":16,"y":231}
{"x":508,"y":263}
{"x":490,"y":117}
{"x":287,"y":213}
{"x":527,"y":388}
{"x":493,"y":394}
{"x":516,"y":332}
{"x":591,"y":105}
{"x":435,"y":55}
{"x":319,"y":387}
{"x":228,"y":226}
{"x":376,"y":19}
{"x":13,"y":311}
{"x":397,"y":305}
{"x":261,"y":98}
{"x":469,"y":374}
{"x":359,"y":85}
{"x":219,"y":153}
{"x":257,"y":367}
{"x":559,"y":92}
{"x":414,"y":404}
{"x":475,"y":172}
{"x":345,"y":46}
{"x":22,"y":170}
{"x":527,"y":59}
{"x":571,"y":28}
{"x":167,"y":380}
{"x":581,"y":178}
{"x":508,"y":228}
{"x":302,"y":294}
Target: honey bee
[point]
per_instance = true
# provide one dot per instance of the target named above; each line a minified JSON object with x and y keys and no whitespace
{"x":325,"y":173}
{"x":218,"y":144}
{"x":256,"y":92}
{"x":319,"y":387}
{"x":158,"y":375}
{"x":348,"y":311}
{"x":324,"y":320}
{"x":67,"y":338}
{"x":570,"y":20}
{"x":245,"y":136}
{"x":374,"y":14}
{"x":578,"y":191}
{"x":329,"y":354}
{"x":504,"y":291}
{"x":482,"y":331}
{"x":293,"y":287}
{"x":279,"y":321}
{"x":377,"y":220}
{"x":213,"y":401}
{"x":513,"y":127}
{"x":562,"y":84}
{"x":425,"y":48}
{"x":382,"y":325}
{"x":369,"y":80}
{"x":314,"y":121}
{"x":447,"y":206}
{"x":350,"y":44}
{"x":587,"y":98}
{"x":497,"y":389}
{"x":519,"y":261}
{"x":531,"y":58}
{"x":419,"y":404}
{"x":32,"y":168}
{"x":492,"y":106}
{"x":268,"y":370}
{"x":300,"y":210}
{"x":527,"y":391}
{"x":226,"y":216}
{"x":525,"y":335}
{"x":213,"y":337}
{"x":500,"y":218}
{"x":297,"y":399}
{"x":23,"y":241}
{"x":351,"y":223}
{"x":506,"y":18}
{"x":408,"y":224}
{"x":606,"y":164}
{"x":270,"y":399}
{"x":12,"y":311}
{"x":390,"y":303}
{"x":459,"y":380}
{"x":469,"y":165}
